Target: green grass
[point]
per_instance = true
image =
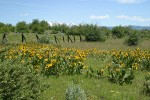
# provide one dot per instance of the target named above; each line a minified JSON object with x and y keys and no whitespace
{"x":95,"y":89}
{"x":107,"y":45}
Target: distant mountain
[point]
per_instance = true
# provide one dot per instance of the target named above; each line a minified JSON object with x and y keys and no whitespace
{"x":134,"y":27}
{"x":140,"y":27}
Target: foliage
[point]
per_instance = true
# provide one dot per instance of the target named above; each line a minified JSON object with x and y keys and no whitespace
{"x":45,"y":40}
{"x":131,"y":58}
{"x":39,"y":26}
{"x":133,"y":39}
{"x":90,"y":72}
{"x":49,"y":59}
{"x":63,"y":28}
{"x":119,"y":74}
{"x":145,"y":33}
{"x":44,"y":24}
{"x":146,"y":85}
{"x":75,"y":92}
{"x":19,"y":82}
{"x":37,"y":29}
{"x":22,"y":27}
{"x":120,"y":32}
{"x":145,"y":64}
{"x":106,"y":31}
{"x":95,"y":34}
{"x":10,"y":27}
{"x":54,"y":32}
{"x":3,"y":28}
{"x":73,"y":30}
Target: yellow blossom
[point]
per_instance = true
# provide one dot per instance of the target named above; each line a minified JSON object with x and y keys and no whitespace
{"x":46,"y":59}
{"x":49,"y":65}
{"x":85,"y":67}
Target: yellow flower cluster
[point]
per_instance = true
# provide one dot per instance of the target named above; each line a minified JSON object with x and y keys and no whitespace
{"x":47,"y":56}
{"x":50,"y":57}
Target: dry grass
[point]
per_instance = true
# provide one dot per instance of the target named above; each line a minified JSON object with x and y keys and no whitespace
{"x":107,"y":45}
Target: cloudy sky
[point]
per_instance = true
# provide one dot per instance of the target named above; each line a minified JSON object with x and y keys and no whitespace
{"x":101,"y":12}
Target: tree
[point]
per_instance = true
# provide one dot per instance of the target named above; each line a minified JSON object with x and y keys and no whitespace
{"x":34,"y":26}
{"x":145,"y":33}
{"x":10,"y":27}
{"x":3,"y":28}
{"x":133,"y":39}
{"x":94,"y":33}
{"x":44,"y":24}
{"x":22,"y":27}
{"x":60,"y":28}
{"x":118,"y":32}
{"x":106,"y":31}
{"x":39,"y":26}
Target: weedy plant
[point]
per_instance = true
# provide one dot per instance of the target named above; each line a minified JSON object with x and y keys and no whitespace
{"x":75,"y":92}
{"x":18,"y":82}
{"x":145,"y":64}
{"x":146,"y":86}
{"x":90,"y":72}
{"x":119,"y":74}
{"x":45,"y":40}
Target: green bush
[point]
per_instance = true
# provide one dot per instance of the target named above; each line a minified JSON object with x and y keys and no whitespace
{"x":145,"y":64}
{"x":75,"y":92}
{"x":120,"y":75}
{"x":120,"y":31}
{"x":133,"y":39}
{"x":54,"y":32}
{"x":96,"y":36}
{"x":19,"y":82}
{"x":146,"y":86}
{"x":45,"y":40}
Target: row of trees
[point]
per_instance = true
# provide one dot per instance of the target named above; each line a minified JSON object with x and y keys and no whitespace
{"x":90,"y":31}
{"x":5,"y":28}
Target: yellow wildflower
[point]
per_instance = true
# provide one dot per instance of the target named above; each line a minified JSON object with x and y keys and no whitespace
{"x":49,"y":65}
{"x":53,"y":61}
{"x":46,"y":59}
{"x":117,"y":70}
{"x":85,"y":67}
{"x":77,"y":57}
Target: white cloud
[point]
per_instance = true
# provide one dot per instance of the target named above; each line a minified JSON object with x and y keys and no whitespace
{"x":133,"y":18}
{"x":99,"y":17}
{"x":56,"y":23}
{"x":50,"y":23}
{"x":24,"y":14}
{"x":130,"y":1}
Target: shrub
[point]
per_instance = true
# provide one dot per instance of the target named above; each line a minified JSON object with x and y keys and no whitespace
{"x":94,"y":73}
{"x":133,"y":39}
{"x":45,"y":40}
{"x":145,"y":64}
{"x":22,"y":27}
{"x":146,"y":86}
{"x":120,"y":75}
{"x":18,"y":82}
{"x":54,"y":32}
{"x":96,"y":36}
{"x":120,"y":31}
{"x":75,"y":92}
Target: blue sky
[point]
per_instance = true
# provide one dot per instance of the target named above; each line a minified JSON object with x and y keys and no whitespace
{"x":101,"y":12}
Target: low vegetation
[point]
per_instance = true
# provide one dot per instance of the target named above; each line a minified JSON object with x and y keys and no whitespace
{"x":117,"y":67}
{"x":84,"y":62}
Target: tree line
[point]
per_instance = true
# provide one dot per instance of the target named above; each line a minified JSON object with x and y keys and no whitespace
{"x":92,"y":32}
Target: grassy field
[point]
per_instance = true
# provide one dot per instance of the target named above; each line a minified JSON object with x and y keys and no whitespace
{"x":94,"y":88}
{"x":107,"y":45}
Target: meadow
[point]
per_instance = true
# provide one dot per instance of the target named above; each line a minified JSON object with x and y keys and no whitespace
{"x":106,"y":70}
